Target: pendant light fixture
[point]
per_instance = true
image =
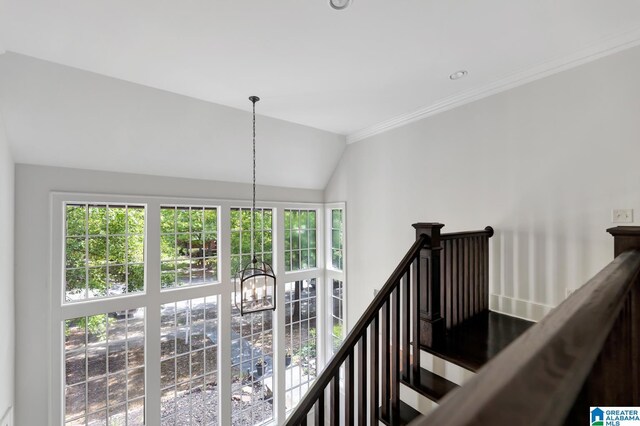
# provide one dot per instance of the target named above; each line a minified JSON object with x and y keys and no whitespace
{"x":255,"y":285}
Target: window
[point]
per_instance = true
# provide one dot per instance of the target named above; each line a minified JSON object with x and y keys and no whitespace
{"x":337,"y":255}
{"x":144,"y":322}
{"x":104,"y":369}
{"x":104,"y":250}
{"x":252,"y":384}
{"x":189,"y":246}
{"x":189,"y":362}
{"x":103,"y":350}
{"x":301,"y":339}
{"x":241,"y":237}
{"x":336,"y":277}
{"x":300,"y":239}
{"x":337,"y":314}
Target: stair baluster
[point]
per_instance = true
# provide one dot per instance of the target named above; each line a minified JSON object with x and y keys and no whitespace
{"x":362,"y":380}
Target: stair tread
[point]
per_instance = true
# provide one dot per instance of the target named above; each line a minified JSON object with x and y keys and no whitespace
{"x":429,"y":384}
{"x":474,"y":342}
{"x":403,"y":416}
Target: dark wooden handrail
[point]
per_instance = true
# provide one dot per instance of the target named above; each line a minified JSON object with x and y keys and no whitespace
{"x":488,"y":231}
{"x":584,"y":352}
{"x":357,"y":335}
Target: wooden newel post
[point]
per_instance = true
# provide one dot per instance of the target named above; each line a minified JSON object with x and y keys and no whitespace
{"x":432,"y":325}
{"x":628,"y":238}
{"x":625,"y":238}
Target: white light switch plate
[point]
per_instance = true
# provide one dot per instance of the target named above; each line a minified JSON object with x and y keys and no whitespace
{"x":622,"y":215}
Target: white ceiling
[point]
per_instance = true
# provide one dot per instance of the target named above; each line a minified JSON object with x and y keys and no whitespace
{"x":338,"y":71}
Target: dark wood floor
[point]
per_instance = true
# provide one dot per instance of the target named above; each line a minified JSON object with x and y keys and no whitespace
{"x":479,"y":339}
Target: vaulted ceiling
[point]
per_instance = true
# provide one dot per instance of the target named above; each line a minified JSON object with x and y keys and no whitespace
{"x":337,"y":71}
{"x":373,"y":66}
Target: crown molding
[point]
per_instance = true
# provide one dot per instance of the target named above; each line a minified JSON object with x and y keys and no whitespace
{"x":605,"y":47}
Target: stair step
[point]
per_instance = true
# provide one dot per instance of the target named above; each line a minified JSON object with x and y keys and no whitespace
{"x":403,"y":416}
{"x":429,"y":384}
{"x":477,"y":340}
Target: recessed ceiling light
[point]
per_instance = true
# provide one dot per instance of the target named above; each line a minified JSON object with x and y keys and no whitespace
{"x":458,"y":75}
{"x":339,"y":4}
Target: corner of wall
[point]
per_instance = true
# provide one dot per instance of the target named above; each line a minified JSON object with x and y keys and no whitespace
{"x":336,"y":188}
{"x":7,"y":285}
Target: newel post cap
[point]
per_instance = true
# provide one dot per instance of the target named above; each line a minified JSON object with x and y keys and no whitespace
{"x":431,"y":229}
{"x":625,"y":231}
{"x":625,"y":238}
{"x":428,"y":225}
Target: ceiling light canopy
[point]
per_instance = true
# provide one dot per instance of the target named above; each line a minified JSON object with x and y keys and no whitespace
{"x":340,"y":4}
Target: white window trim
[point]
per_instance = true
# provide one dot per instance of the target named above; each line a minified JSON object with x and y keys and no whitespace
{"x":331,"y":273}
{"x":153,"y":297}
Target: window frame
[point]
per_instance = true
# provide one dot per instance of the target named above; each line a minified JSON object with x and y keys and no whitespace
{"x":87,"y":236}
{"x":291,"y":250}
{"x":175,"y":233}
{"x":332,"y":273}
{"x":153,"y":296}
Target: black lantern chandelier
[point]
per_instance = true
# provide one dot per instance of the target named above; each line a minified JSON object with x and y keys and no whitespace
{"x":255,"y":285}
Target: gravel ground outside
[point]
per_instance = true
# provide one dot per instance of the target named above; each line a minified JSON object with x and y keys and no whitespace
{"x":102,"y":370}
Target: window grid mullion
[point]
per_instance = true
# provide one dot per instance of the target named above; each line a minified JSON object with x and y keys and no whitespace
{"x":107,"y":247}
{"x":86,"y":374}
{"x":107,"y":373}
{"x":86,"y":250}
{"x":126,"y":375}
{"x":175,"y":253}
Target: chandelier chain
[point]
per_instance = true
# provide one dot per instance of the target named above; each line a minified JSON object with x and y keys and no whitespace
{"x":253,"y":205}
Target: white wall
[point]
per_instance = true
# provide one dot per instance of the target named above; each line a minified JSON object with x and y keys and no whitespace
{"x":7,"y":323}
{"x":65,"y":117}
{"x":543,"y":164}
{"x":33,"y":187}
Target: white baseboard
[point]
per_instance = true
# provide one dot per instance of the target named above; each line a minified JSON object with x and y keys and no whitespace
{"x":524,"y":309}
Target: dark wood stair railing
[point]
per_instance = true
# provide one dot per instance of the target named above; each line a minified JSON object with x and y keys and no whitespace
{"x":383,"y":348}
{"x":455,"y":315}
{"x":460,"y":261}
{"x":383,"y":326}
{"x":585,"y":353}
{"x":472,"y":334}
